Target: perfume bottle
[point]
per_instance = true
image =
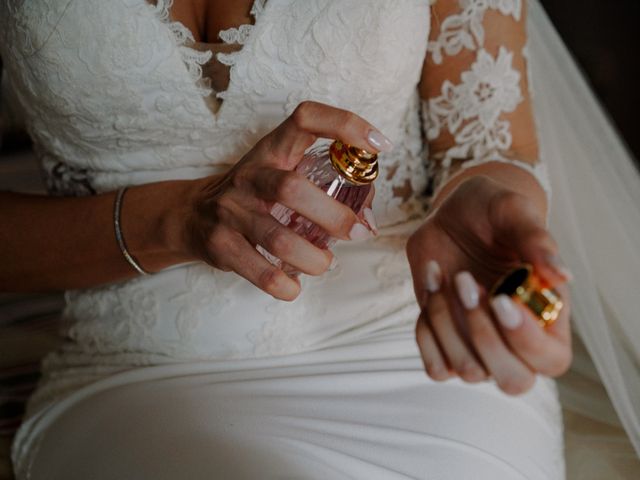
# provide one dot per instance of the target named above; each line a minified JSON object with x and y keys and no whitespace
{"x":345,"y":173}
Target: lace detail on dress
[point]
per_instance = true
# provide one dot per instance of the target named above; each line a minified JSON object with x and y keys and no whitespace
{"x":66,"y":180}
{"x":108,"y":97}
{"x":203,"y":292}
{"x":132,"y":311}
{"x":197,"y":58}
{"x":192,"y":58}
{"x":240,"y":35}
{"x":30,"y":39}
{"x":286,"y":331}
{"x":237,"y":36}
{"x":405,"y":170}
{"x":472,"y":112}
{"x":465,"y":30}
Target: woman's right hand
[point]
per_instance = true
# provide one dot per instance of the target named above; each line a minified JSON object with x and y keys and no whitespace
{"x":229,"y":215}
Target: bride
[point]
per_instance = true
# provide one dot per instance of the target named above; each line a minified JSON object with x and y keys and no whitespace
{"x":169,"y":131}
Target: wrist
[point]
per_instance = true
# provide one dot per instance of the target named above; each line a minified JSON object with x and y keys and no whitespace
{"x":154,"y":219}
{"x":175,"y":218}
{"x":509,"y":177}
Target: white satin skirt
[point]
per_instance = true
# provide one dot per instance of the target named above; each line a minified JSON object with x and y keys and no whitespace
{"x":364,"y":410}
{"x":334,"y":389}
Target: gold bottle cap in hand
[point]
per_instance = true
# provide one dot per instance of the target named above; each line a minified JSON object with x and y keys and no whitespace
{"x":523,"y":285}
{"x":355,"y":164}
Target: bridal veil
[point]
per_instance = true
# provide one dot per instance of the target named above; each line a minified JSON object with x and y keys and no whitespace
{"x":595,"y":217}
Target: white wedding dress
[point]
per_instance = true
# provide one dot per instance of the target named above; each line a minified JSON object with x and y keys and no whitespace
{"x":192,"y":372}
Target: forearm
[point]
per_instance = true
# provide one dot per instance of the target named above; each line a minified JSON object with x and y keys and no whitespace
{"x":50,"y":244}
{"x":478,"y":107}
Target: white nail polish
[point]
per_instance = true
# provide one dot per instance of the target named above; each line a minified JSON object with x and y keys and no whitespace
{"x":434,"y":276}
{"x":334,"y":264}
{"x":507,"y":312}
{"x":378,"y":141}
{"x":359,"y":232}
{"x":467,"y":290}
{"x":371,"y":220}
{"x":556,"y":263}
{"x":566,"y":273}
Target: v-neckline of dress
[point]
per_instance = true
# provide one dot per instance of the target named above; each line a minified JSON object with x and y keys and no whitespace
{"x":163,"y":15}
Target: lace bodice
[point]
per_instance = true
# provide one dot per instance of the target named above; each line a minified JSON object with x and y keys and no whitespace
{"x":113,"y":92}
{"x":116,"y":93}
{"x":134,"y":112}
{"x":477,"y":105}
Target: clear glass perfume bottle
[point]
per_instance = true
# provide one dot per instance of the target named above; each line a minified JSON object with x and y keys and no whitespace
{"x":345,"y":173}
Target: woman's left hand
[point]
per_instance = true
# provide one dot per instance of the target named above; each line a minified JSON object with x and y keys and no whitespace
{"x":478,"y":233}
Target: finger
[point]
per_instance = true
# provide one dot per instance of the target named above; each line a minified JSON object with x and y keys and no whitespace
{"x":284,"y":243}
{"x":543,"y":352}
{"x":234,"y":252}
{"x":510,"y":373}
{"x":434,"y":363}
{"x":537,"y":246}
{"x":296,"y":192}
{"x":367,"y":216}
{"x":311,"y":120}
{"x":518,"y":224}
{"x":369,"y":219}
{"x":427,"y":279}
{"x":458,"y":355}
{"x":263,"y":229}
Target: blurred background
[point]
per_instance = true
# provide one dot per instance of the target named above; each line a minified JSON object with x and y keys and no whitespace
{"x":604,"y":38}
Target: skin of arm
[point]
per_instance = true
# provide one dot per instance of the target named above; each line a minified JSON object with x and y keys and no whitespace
{"x":53,"y":244}
{"x":68,"y":243}
{"x":524,"y":145}
{"x":484,"y":219}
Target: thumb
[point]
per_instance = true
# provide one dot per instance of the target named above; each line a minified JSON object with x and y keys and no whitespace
{"x":518,"y":226}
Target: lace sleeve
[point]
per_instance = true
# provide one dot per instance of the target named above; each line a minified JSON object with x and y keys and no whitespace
{"x":475,"y":89}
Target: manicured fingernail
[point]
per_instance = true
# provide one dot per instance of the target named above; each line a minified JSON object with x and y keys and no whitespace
{"x":437,"y":372}
{"x":434,"y":276}
{"x":507,"y":312}
{"x":334,"y":264}
{"x":378,"y":141}
{"x":467,"y":290}
{"x":566,"y":273}
{"x":555,"y":262}
{"x":371,"y":220}
{"x":359,"y":232}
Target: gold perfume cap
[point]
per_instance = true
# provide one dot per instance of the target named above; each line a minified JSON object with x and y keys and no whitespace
{"x":522,"y":284}
{"x":355,"y":164}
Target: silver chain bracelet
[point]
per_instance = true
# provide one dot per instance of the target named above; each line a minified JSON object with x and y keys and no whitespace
{"x":119,"y":238}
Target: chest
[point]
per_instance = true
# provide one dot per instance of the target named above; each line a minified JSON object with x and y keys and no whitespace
{"x":112,"y":76}
{"x":207,"y":18}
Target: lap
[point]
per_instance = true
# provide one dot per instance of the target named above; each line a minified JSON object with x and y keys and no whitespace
{"x":356,"y":419}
